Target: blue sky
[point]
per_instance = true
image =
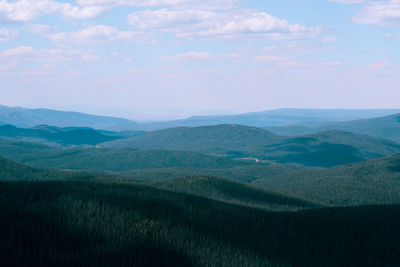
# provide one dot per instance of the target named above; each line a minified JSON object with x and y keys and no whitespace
{"x":163,"y":59}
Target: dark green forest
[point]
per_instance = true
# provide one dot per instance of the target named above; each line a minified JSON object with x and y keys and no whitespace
{"x":222,"y":195}
{"x":108,"y":224}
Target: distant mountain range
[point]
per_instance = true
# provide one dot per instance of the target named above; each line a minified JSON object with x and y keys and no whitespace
{"x":278,"y":117}
{"x":170,"y":147}
{"x":28,"y":118}
{"x":315,"y":144}
{"x":387,"y":127}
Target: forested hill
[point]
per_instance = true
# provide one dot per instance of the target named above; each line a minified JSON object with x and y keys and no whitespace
{"x":365,"y":183}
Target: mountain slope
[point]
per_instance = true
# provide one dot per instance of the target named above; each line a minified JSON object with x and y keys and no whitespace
{"x":62,"y":136}
{"x":330,"y":148}
{"x":109,"y":159}
{"x":244,"y":174}
{"x":231,"y":192}
{"x":117,"y":160}
{"x":103,"y":224}
{"x":321,"y":150}
{"x":22,"y":117}
{"x":232,"y":140}
{"x":278,"y":117}
{"x":13,"y":171}
{"x":366,"y":183}
{"x":384,"y":127}
{"x":387,"y":127}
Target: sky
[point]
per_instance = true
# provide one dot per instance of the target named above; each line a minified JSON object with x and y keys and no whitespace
{"x":165,"y":59}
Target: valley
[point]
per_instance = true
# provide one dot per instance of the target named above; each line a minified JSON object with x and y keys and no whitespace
{"x":217,"y":195}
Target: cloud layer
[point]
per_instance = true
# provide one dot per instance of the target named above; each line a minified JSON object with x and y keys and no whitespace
{"x":379,"y":12}
{"x":7,"y":34}
{"x":236,"y":24}
{"x":91,"y":35}
{"x":29,"y":10}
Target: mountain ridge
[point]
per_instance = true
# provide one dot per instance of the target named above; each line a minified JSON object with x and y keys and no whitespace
{"x":387,"y":127}
{"x":24,"y":117}
{"x":325,"y":149}
{"x":365,"y":183}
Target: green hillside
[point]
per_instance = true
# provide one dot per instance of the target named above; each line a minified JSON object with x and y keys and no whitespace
{"x":142,"y":165}
{"x":61,"y":136}
{"x":13,"y":171}
{"x":109,"y":159}
{"x":330,"y":148}
{"x":232,"y":140}
{"x":24,"y":151}
{"x":117,"y":160}
{"x":23,"y":117}
{"x":100,"y":224}
{"x":384,"y":127}
{"x":366,"y":183}
{"x":291,"y":130}
{"x":231,"y":192}
{"x":326,"y":149}
{"x":387,"y":127}
{"x":244,"y":174}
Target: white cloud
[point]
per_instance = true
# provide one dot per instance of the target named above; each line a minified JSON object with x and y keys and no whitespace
{"x":202,"y":4}
{"x":196,"y":56}
{"x":330,"y":39}
{"x":97,"y":34}
{"x":92,"y":34}
{"x":257,"y":59}
{"x":18,"y":51}
{"x":379,"y":12}
{"x":303,"y":64}
{"x":383,"y":13}
{"x":206,"y":24}
{"x":7,"y":34}
{"x":37,"y":28}
{"x":78,"y":13}
{"x":62,"y":53}
{"x":28,"y":10}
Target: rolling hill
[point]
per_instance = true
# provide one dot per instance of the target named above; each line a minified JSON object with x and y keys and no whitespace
{"x":232,"y":192}
{"x":106,"y":224}
{"x":62,"y":136}
{"x":70,"y":218}
{"x":231,"y":140}
{"x":245,"y":174}
{"x":27,"y":118}
{"x":387,"y":127}
{"x":109,"y":159}
{"x":366,"y":183}
{"x":17,"y":172}
{"x":278,"y":117}
{"x":125,"y":159}
{"x":235,"y":141}
{"x":330,"y":148}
